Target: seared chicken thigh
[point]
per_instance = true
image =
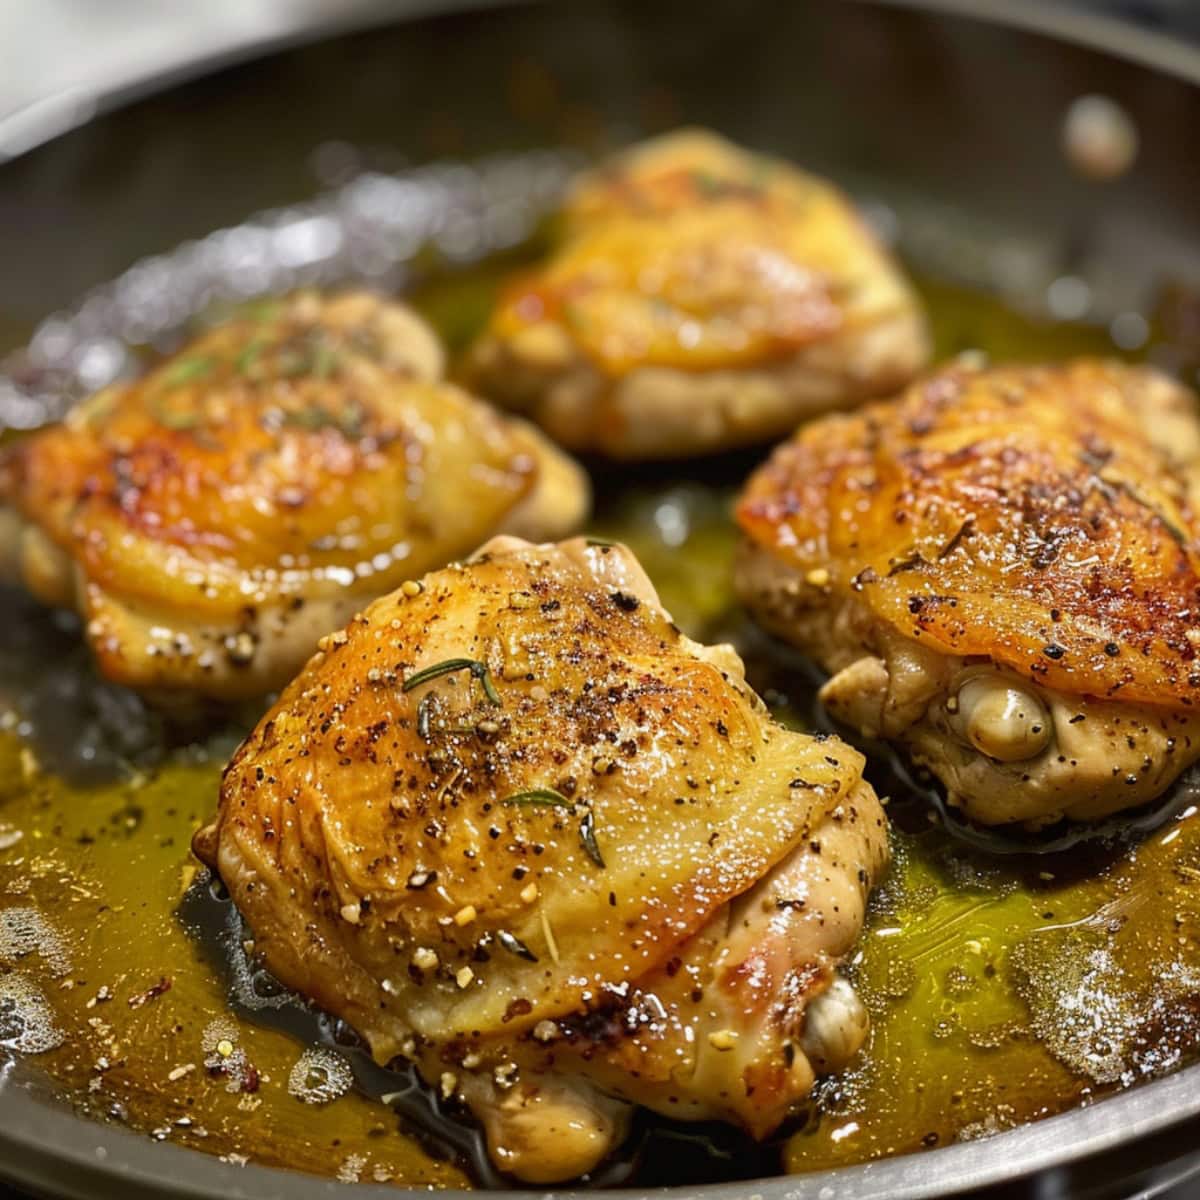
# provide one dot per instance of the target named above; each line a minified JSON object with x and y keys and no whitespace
{"x":1000,"y":569}
{"x":212,"y":519}
{"x":699,"y":297}
{"x":512,"y":824}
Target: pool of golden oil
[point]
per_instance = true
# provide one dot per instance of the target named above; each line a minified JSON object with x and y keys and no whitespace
{"x":1001,"y":989}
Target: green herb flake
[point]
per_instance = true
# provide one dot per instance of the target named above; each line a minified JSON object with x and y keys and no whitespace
{"x":171,"y":418}
{"x":538,"y":798}
{"x":259,"y":310}
{"x":352,"y":421}
{"x":250,"y":355}
{"x":312,"y":418}
{"x":293,"y":363}
{"x":450,"y":665}
{"x":184,"y":370}
{"x":325,"y":361}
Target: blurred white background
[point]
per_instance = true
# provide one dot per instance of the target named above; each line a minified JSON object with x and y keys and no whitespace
{"x":57,"y":56}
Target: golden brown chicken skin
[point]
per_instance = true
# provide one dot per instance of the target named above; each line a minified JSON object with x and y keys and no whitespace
{"x":699,"y":297}
{"x":212,"y":519}
{"x":512,"y":824}
{"x":1000,"y":569}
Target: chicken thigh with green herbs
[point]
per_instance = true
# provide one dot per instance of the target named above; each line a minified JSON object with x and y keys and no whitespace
{"x":511,"y":824}
{"x":213,"y":518}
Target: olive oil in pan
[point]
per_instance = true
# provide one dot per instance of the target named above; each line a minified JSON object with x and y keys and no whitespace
{"x":1002,"y":989}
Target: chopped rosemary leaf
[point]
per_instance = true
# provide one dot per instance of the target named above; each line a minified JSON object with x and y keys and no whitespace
{"x":447,"y":667}
{"x":352,"y":421}
{"x":249,"y":355}
{"x":540,"y":798}
{"x":514,"y":945}
{"x":587,"y":838}
{"x":599,"y":541}
{"x":294,"y":362}
{"x":185,"y":369}
{"x":259,"y":310}
{"x":325,"y":361}
{"x":313,"y":417}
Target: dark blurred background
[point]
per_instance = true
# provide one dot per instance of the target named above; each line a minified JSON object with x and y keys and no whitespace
{"x":73,"y":51}
{"x":1180,"y":17}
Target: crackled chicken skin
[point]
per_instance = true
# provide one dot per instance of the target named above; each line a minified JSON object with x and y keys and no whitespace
{"x":1000,"y":571}
{"x":212,"y":519}
{"x":699,"y":297}
{"x":512,"y":824}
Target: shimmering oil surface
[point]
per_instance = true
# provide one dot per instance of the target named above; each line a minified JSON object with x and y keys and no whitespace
{"x":1001,"y":989}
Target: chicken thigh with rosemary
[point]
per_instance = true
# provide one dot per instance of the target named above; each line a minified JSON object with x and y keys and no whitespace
{"x":1000,"y":570}
{"x":510,"y":823}
{"x":212,"y":519}
{"x":698,"y":297}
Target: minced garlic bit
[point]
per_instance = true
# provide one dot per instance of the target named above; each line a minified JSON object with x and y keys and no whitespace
{"x":449,"y":1082}
{"x":464,"y":976}
{"x":351,"y":913}
{"x":529,"y":893}
{"x":545,"y":1031}
{"x":179,"y":1072}
{"x":818,"y":577}
{"x":410,"y":587}
{"x":465,"y":915}
{"x":723,"y":1039}
{"x":471,"y":1061}
{"x":424,"y":958}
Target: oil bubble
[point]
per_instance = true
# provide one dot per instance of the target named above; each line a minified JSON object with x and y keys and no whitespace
{"x":26,"y":1022}
{"x":320,"y":1076}
{"x":223,"y":1055}
{"x":25,"y":931}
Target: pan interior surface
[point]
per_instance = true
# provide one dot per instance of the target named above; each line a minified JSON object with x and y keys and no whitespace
{"x":1002,"y":990}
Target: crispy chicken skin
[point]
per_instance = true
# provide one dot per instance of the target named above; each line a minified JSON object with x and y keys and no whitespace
{"x":699,"y":297}
{"x":512,"y":824}
{"x":1000,"y":570}
{"x":212,"y":519}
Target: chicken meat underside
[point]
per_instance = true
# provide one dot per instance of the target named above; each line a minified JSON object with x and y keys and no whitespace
{"x":210,"y":520}
{"x":699,"y":297}
{"x":999,"y":570}
{"x":512,"y":824}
